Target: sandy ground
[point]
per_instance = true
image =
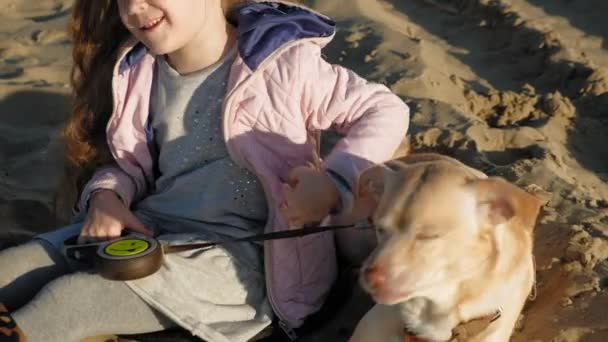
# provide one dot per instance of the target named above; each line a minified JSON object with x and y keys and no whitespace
{"x":516,"y":88}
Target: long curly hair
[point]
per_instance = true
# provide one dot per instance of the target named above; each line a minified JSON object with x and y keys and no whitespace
{"x":97,"y":33}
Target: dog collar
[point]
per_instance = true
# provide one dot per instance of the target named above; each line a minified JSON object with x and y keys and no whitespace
{"x":463,"y":331}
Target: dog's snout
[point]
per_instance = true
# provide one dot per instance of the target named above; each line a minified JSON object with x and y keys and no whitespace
{"x":375,"y":276}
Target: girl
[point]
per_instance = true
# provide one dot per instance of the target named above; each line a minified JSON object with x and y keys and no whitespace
{"x":201,"y":121}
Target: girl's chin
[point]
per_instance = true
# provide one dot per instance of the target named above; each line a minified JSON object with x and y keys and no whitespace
{"x":158,"y":49}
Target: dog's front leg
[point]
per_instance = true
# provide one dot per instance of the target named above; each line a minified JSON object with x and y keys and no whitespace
{"x":439,"y":330}
{"x":421,"y":318}
{"x":380,"y":323}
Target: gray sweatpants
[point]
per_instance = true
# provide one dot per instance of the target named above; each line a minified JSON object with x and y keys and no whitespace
{"x":51,"y":303}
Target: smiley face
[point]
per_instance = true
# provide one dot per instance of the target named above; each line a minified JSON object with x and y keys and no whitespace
{"x":126,"y":247}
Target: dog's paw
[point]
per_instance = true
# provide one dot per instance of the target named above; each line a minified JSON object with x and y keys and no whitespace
{"x":431,"y":333}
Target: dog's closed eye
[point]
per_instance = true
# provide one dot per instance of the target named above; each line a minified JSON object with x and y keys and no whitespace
{"x":426,"y":236}
{"x":381,"y":230}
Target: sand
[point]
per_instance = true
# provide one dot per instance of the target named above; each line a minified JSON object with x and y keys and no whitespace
{"x":516,"y":88}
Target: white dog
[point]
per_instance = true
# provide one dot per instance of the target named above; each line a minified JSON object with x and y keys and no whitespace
{"x":454,"y":257}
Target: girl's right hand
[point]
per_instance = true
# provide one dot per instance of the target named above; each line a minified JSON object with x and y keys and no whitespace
{"x":107,"y":217}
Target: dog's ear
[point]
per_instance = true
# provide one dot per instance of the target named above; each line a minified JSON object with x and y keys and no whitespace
{"x":370,"y":188}
{"x":373,"y":181}
{"x":500,"y":201}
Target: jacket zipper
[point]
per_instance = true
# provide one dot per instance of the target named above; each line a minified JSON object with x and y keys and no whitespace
{"x":283,"y":323}
{"x":291,"y":334}
{"x":285,"y":326}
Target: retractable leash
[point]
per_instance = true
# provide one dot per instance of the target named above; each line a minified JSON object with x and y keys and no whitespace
{"x":135,"y":256}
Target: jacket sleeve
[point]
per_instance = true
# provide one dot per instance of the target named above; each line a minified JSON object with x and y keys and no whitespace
{"x":373,"y":120}
{"x":108,"y":178}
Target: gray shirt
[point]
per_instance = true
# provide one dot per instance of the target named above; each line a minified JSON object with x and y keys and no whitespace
{"x":199,"y":195}
{"x":199,"y":186}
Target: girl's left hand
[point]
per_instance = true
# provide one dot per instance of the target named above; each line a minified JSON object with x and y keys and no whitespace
{"x":309,"y":195}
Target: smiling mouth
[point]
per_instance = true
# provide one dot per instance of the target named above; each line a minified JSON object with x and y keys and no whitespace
{"x":150,"y":25}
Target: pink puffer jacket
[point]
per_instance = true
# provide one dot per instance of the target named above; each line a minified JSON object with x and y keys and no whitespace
{"x":281,"y":93}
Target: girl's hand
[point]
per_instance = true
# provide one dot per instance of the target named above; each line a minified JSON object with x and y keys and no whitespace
{"x":309,"y":195}
{"x":107,"y":217}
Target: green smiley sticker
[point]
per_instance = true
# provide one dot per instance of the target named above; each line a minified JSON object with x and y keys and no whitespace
{"x":126,"y":247}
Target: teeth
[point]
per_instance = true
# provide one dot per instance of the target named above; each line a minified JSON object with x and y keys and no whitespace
{"x":152,"y":23}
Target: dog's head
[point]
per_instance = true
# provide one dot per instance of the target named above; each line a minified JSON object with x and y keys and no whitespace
{"x":438,"y":223}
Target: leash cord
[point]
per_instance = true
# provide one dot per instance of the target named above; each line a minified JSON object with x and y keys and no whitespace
{"x":285,"y":234}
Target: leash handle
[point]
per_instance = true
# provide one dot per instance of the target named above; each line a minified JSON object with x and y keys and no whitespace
{"x":284,"y":234}
{"x":80,"y":252}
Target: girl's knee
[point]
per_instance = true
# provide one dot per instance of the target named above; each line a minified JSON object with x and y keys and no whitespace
{"x":74,"y":286}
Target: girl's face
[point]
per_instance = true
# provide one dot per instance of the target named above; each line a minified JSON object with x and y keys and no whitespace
{"x":166,"y":26}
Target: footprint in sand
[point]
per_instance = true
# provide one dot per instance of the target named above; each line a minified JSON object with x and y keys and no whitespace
{"x":43,"y":18}
{"x":46,"y":37}
{"x":42,"y":11}
{"x":10,"y":71}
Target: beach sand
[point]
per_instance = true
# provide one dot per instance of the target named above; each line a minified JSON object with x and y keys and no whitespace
{"x":516,"y":88}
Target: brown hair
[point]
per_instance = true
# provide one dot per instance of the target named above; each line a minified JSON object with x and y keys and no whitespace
{"x":97,"y":33}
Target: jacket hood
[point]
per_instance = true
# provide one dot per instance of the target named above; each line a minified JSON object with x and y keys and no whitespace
{"x":266,"y":26}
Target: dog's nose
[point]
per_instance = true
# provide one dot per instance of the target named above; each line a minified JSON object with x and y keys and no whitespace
{"x":375,"y":276}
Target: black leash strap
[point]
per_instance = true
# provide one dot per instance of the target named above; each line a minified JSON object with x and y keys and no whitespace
{"x":285,"y":234}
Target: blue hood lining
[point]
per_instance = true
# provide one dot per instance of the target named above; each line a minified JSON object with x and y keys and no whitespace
{"x":266,"y":26}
